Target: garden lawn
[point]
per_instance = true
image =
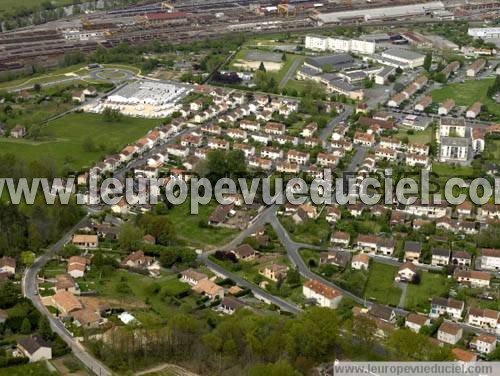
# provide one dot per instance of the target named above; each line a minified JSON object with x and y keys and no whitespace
{"x":418,"y":137}
{"x":418,"y":296}
{"x":194,"y":229}
{"x":33,"y":369}
{"x":380,"y":285}
{"x":446,"y":170}
{"x":316,"y":232}
{"x":465,"y":94}
{"x":66,"y":145}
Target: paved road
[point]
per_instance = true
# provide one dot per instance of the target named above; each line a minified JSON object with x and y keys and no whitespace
{"x":257,"y":291}
{"x":92,"y":74}
{"x":328,"y":130}
{"x":30,"y":291}
{"x":289,"y":74}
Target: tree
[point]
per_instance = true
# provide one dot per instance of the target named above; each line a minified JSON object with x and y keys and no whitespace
{"x":37,"y":87}
{"x":111,"y":115}
{"x":130,"y":237}
{"x":262,"y":68}
{"x":27,"y":258}
{"x":26,"y":326}
{"x":88,"y":144}
{"x":428,"y":61}
{"x":293,"y":277}
{"x":44,"y":328}
{"x":281,"y":368}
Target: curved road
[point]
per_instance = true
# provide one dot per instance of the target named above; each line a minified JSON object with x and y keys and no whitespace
{"x":30,"y":291}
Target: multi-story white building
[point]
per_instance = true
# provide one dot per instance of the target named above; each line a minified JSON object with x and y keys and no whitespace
{"x":484,"y":32}
{"x":449,"y":333}
{"x":452,"y":127}
{"x":453,"y":149}
{"x":322,"y":43}
{"x":325,"y":296}
{"x":490,"y":259}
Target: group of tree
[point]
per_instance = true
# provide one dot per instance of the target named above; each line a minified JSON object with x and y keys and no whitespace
{"x":494,"y":88}
{"x":247,"y":343}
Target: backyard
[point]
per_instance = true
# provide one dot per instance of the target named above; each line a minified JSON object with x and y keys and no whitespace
{"x":194,"y":229}
{"x":418,"y":296}
{"x":380,"y":286}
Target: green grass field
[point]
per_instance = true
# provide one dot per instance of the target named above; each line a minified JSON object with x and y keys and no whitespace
{"x":418,"y":137}
{"x":380,"y":285}
{"x":446,"y":170}
{"x":188,"y":227}
{"x":467,"y":93}
{"x":68,"y":135}
{"x":34,"y":369}
{"x":431,"y":284}
{"x":9,"y":5}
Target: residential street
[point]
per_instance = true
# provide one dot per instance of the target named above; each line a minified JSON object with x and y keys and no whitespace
{"x":30,"y":291}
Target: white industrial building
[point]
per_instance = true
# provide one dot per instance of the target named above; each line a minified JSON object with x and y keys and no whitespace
{"x":322,"y":43}
{"x":398,"y":57}
{"x":149,"y":99}
{"x":377,"y":14}
{"x":484,"y":32}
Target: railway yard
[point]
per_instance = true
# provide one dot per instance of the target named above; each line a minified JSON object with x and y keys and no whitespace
{"x":45,"y":44}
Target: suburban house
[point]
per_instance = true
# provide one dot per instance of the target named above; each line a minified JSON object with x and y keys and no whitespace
{"x":407,"y":272}
{"x":415,"y":322}
{"x":449,"y":333}
{"x":375,"y":244}
{"x":484,"y":318}
{"x":244,"y":252}
{"x":446,"y":107}
{"x":274,"y":272}
{"x":229,"y":305}
{"x":341,"y":238}
{"x":77,"y":266}
{"x":364,"y":139}
{"x":65,"y":282}
{"x":474,"y":110}
{"x":490,"y":259}
{"x":451,"y":307}
{"x":323,"y":295}
{"x":440,"y":256}
{"x":208,"y":288}
{"x":333,"y":214}
{"x":335,"y":257}
{"x":139,"y":261}
{"x":192,"y":276}
{"x":461,"y":258}
{"x":18,"y":131}
{"x":382,"y":312}
{"x":65,"y":302}
{"x":86,"y":318}
{"x":412,"y":251}
{"x":360,"y":261}
{"x":463,"y":355}
{"x":85,"y":241}
{"x":35,"y":348}
{"x":484,"y":343}
{"x":474,"y":278}
{"x":7,"y":265}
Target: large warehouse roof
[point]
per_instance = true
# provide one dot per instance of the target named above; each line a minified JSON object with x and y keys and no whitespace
{"x":386,"y":12}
